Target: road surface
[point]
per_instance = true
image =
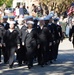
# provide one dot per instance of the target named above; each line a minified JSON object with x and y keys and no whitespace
{"x":63,"y":66}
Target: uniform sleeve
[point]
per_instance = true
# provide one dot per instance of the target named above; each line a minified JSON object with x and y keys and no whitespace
{"x":36,"y":34}
{"x":16,"y":35}
{"x":18,"y":39}
{"x":23,"y":35}
{"x":37,"y":38}
{"x":5,"y":36}
{"x":3,"y":33}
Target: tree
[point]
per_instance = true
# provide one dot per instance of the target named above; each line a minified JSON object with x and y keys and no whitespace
{"x":2,"y":2}
{"x":7,"y":2}
{"x":57,"y":5}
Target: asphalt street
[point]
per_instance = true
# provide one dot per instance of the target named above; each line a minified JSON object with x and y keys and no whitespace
{"x":63,"y":66}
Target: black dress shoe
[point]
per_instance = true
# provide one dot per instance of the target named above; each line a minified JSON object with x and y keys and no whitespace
{"x":38,"y":64}
{"x":0,"y":60}
{"x":46,"y":63}
{"x":55,"y":59}
{"x":29,"y":67}
{"x":42,"y":65}
{"x":51,"y":62}
{"x":10,"y":66}
{"x":19,"y":64}
{"x":5,"y":62}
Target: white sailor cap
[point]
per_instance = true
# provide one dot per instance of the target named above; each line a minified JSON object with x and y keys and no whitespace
{"x":30,"y":22}
{"x":35,"y":18}
{"x":12,"y":17}
{"x":5,"y":17}
{"x":20,"y":19}
{"x":46,"y":18}
{"x":12,"y":22}
{"x":52,"y":12}
{"x":41,"y":18}
{"x":49,"y":16}
{"x":56,"y":19}
{"x":28,"y":17}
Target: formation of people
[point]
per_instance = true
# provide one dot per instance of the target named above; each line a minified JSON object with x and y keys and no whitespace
{"x":31,"y":38}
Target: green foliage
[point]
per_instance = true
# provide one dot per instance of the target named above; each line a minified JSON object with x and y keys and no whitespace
{"x":7,"y":2}
{"x":2,"y":2}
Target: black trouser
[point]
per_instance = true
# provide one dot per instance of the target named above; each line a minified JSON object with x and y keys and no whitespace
{"x":5,"y":54}
{"x":21,"y":55}
{"x":52,"y":52}
{"x":55,"y":50}
{"x":30,"y":56}
{"x":11,"y":55}
{"x":57,"y":46}
{"x":42,"y":54}
{"x":0,"y":54}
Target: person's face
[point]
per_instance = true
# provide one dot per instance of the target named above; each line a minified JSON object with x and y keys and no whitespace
{"x":4,"y":20}
{"x":24,"y":21}
{"x":11,"y":26}
{"x":11,"y":19}
{"x":29,"y":25}
{"x":46,"y":22}
{"x":20,"y":22}
{"x":42,"y":22}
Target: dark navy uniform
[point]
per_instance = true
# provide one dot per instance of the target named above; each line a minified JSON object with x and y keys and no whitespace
{"x":29,"y":40}
{"x":43,"y":50}
{"x":1,"y":39}
{"x":53,"y":33}
{"x":5,"y":25}
{"x":21,"y":51}
{"x":59,"y":38}
{"x":11,"y":40}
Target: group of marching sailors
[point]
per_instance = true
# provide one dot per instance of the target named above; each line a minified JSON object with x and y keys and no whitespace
{"x":31,"y":39}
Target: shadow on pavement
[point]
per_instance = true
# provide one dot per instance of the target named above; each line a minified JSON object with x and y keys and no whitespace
{"x":63,"y":66}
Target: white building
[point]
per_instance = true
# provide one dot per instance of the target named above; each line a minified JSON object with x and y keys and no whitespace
{"x":26,"y":2}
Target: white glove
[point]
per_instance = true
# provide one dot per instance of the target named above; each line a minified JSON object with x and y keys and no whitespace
{"x":23,"y":43}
